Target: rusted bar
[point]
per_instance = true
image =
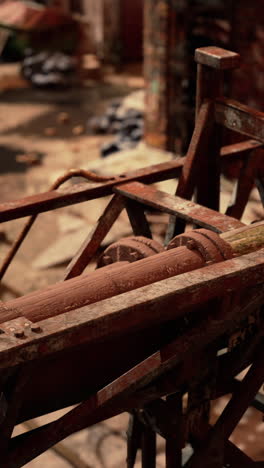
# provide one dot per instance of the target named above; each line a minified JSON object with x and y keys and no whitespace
{"x":137,"y":218}
{"x":93,"y":242}
{"x":234,"y":362}
{"x":174,"y":443}
{"x":100,"y":285}
{"x":244,"y":186}
{"x":199,"y":146}
{"x":83,"y":192}
{"x":200,"y":215}
{"x":134,"y":434}
{"x":236,"y":458}
{"x":240,"y":148}
{"x":148,"y":447}
{"x":15,"y":401}
{"x":259,"y":181}
{"x":212,"y":64}
{"x":80,"y":193}
{"x":65,"y":177}
{"x":232,"y":413}
{"x":240,"y":118}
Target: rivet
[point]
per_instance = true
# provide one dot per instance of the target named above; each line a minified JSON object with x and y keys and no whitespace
{"x":133,"y":255}
{"x":191,"y":244}
{"x":107,"y":260}
{"x":35,"y":328}
{"x":19,"y":333}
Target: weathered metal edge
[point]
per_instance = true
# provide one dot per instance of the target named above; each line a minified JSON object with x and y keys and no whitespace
{"x":144,"y":307}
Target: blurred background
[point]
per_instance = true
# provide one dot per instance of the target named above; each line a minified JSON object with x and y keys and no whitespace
{"x":108,"y":85}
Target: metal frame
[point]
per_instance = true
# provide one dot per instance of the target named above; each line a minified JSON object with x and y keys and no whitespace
{"x":170,"y":330}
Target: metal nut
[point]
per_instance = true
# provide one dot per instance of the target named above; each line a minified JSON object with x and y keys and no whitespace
{"x":36,"y":328}
{"x":19,"y":333}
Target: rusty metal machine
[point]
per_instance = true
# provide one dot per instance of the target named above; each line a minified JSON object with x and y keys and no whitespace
{"x":157,"y":330}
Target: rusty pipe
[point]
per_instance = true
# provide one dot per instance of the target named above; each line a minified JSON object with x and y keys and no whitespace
{"x":201,"y":246}
{"x":102,"y":284}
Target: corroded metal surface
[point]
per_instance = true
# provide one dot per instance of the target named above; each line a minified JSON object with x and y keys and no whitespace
{"x":154,"y":323}
{"x":175,"y":205}
{"x":211,"y":246}
{"x":130,"y":249}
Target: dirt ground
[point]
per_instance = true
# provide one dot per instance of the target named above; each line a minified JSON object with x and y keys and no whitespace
{"x":30,"y":125}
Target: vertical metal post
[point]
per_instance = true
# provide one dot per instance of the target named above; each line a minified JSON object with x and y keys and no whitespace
{"x":212,"y":65}
{"x":174,"y":443}
{"x":148,"y":447}
{"x":164,"y":42}
{"x":134,"y":433}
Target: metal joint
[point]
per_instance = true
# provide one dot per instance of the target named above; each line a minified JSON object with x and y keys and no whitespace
{"x":209,"y":244}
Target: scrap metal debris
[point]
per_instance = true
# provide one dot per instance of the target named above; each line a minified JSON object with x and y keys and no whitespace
{"x":48,"y":69}
{"x":126,"y":123}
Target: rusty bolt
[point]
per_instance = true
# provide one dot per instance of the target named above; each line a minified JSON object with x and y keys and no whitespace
{"x":191,"y":244}
{"x":108,"y":260}
{"x":133,"y":255}
{"x":19,"y":333}
{"x":35,"y":328}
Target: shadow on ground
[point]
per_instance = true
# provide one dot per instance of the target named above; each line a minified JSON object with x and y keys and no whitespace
{"x":8,"y":162}
{"x":81,"y":104}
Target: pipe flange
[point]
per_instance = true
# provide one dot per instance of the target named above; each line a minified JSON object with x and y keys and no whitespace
{"x":129,"y":249}
{"x":209,"y":244}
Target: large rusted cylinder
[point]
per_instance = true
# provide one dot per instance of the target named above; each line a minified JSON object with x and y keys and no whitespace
{"x":102,"y":284}
{"x":187,"y":252}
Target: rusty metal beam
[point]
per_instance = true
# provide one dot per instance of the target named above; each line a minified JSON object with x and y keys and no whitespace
{"x":240,"y":118}
{"x":190,"y":211}
{"x":213,"y":63}
{"x":137,"y":218}
{"x":244,"y":185}
{"x":90,"y":246}
{"x":80,"y":193}
{"x":230,"y":417}
{"x":142,"y":309}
